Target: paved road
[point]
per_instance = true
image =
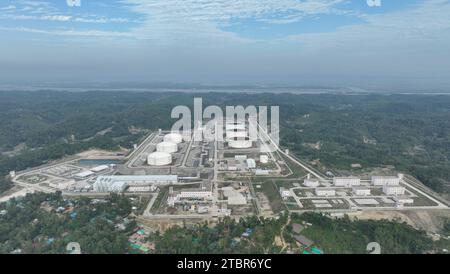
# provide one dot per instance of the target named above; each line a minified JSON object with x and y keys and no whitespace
{"x":134,"y":156}
{"x":267,"y":136}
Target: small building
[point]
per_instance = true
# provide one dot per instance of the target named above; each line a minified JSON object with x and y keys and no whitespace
{"x":284,"y":192}
{"x":100,"y":168}
{"x":303,"y":240}
{"x":361,"y":191}
{"x":393,"y":190}
{"x":404,"y":200}
{"x":311,"y":182}
{"x":195,"y":195}
{"x":325,"y":192}
{"x":251,"y":163}
{"x":139,"y":188}
{"x":261,"y":172}
{"x":202,"y":210}
{"x":240,"y":157}
{"x":263,"y":159}
{"x":385,"y":180}
{"x":346,"y":181}
{"x":61,"y":184}
{"x":84,"y":174}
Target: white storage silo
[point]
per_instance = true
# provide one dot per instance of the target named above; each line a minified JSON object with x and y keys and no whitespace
{"x":159,"y":159}
{"x":168,"y":147}
{"x":240,"y":144}
{"x":236,"y":134}
{"x":232,"y":126}
{"x":174,"y":138}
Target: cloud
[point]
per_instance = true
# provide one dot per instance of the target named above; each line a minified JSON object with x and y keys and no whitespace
{"x":203,"y":20}
{"x":87,"y":33}
{"x":8,"y":8}
{"x":423,"y":23}
{"x":45,"y":11}
{"x":406,"y":47}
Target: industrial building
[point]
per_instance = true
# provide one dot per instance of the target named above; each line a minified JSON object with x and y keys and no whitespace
{"x":61,"y":184}
{"x":189,"y":195}
{"x":173,"y":138}
{"x":393,"y":190}
{"x":361,"y":191}
{"x":168,"y":147}
{"x":114,"y":183}
{"x":311,"y":182}
{"x":346,"y":181}
{"x":263,"y":159}
{"x":261,"y":172}
{"x":240,"y":157}
{"x":386,"y":180}
{"x":159,"y":159}
{"x":325,"y":192}
{"x":404,"y":200}
{"x":285,"y":193}
{"x":109,"y":186}
{"x":100,"y":168}
{"x":83,"y":175}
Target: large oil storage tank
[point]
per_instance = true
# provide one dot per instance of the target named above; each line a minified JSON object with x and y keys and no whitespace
{"x":232,"y":126}
{"x":168,"y":147}
{"x":159,"y":159}
{"x":236,"y":134}
{"x":240,"y":144}
{"x":174,"y":138}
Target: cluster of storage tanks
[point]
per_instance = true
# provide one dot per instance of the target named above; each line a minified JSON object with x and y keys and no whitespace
{"x":237,"y":135}
{"x":164,"y":150}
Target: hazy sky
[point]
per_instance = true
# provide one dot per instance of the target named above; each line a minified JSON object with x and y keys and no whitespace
{"x":402,"y":43}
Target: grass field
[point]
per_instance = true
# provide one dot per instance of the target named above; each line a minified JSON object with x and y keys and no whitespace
{"x":271,"y":191}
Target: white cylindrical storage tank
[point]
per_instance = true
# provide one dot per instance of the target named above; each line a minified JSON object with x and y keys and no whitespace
{"x":235,"y":126}
{"x":159,"y":159}
{"x":168,"y":147}
{"x":236,"y":134}
{"x":240,"y":144}
{"x":174,"y":138}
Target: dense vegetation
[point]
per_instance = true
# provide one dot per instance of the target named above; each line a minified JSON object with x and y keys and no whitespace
{"x":34,"y":224}
{"x":224,"y":238}
{"x":411,"y":133}
{"x":4,"y":184}
{"x":46,"y":223}
{"x":346,"y":236}
{"x":329,"y":234}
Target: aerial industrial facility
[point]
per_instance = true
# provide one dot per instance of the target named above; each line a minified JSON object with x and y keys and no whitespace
{"x":186,"y":177}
